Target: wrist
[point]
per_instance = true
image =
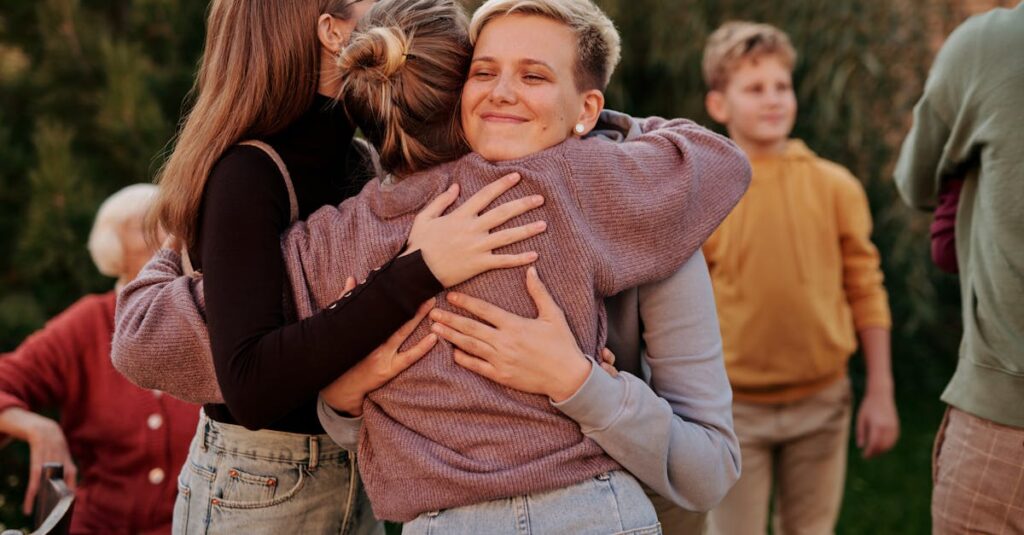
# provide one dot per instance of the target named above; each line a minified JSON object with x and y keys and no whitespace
{"x":26,"y":425}
{"x":348,"y":403}
{"x":571,"y":380}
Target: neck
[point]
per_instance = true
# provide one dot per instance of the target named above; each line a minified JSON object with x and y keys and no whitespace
{"x":759,"y":149}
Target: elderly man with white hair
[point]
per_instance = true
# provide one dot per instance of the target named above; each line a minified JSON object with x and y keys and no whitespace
{"x":123,"y":444}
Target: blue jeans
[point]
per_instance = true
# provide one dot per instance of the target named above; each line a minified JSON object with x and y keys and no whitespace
{"x":612,"y":503}
{"x":254,"y":482}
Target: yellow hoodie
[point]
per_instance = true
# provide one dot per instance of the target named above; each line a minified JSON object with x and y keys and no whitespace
{"x":795,"y":276}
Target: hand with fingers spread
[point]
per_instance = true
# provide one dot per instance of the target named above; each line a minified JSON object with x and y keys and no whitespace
{"x":534,"y":355}
{"x":346,"y":393}
{"x":46,"y":443}
{"x":458,"y":246}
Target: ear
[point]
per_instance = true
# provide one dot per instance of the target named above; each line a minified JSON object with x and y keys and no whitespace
{"x":593,"y":105}
{"x":715,"y":103}
{"x":333,"y":32}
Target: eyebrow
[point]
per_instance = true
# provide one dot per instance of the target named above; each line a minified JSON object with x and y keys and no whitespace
{"x":527,"y":61}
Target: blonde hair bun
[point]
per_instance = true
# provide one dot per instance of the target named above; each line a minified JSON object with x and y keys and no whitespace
{"x":402,"y":76}
{"x":379,"y":52}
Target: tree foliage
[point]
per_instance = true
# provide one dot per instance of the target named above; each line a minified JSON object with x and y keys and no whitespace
{"x":91,"y":90}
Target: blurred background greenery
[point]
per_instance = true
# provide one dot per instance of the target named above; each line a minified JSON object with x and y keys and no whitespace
{"x":91,"y":91}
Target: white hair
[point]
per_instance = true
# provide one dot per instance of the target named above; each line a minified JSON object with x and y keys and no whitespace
{"x":130,"y":203}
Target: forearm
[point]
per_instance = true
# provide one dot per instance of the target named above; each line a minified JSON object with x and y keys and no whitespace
{"x":690,"y":464}
{"x":21,"y":424}
{"x":161,"y":341}
{"x":676,"y":176}
{"x":280,"y":368}
{"x":875,"y":345}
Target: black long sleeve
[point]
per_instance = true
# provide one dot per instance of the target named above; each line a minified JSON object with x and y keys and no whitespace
{"x":269,"y":371}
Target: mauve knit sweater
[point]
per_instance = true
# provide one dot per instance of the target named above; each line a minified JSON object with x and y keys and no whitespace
{"x":619,"y":215}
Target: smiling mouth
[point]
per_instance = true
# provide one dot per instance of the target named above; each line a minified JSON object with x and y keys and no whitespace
{"x":502,"y":118}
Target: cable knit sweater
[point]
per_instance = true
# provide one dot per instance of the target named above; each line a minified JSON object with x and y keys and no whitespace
{"x":619,"y":215}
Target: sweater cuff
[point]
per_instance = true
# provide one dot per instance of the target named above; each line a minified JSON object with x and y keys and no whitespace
{"x":414,"y":276}
{"x":872,"y":313}
{"x":344,"y":430}
{"x":598,"y":403}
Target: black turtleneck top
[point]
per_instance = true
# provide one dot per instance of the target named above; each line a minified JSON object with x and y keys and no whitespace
{"x":270,"y":371}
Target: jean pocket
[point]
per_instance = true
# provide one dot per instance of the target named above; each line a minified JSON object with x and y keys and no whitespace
{"x":246,"y":490}
{"x":179,"y":520}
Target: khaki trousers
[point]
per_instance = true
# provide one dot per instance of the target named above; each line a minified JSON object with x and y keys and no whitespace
{"x":674,"y":519}
{"x":978,"y":473}
{"x":801,"y":448}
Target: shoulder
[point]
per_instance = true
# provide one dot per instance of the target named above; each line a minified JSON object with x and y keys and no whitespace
{"x":246,"y":178}
{"x":242,"y":168}
{"x":88,"y":310}
{"x":835,"y":176}
{"x":94,"y":303}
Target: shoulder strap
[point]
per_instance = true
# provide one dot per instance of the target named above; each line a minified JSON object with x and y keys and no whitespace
{"x":293,"y":202}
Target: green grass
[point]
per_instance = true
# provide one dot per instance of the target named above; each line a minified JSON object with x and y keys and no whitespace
{"x":892,"y":493}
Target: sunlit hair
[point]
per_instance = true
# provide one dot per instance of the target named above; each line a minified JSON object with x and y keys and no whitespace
{"x":126,"y":208}
{"x":402,"y":77}
{"x":259,"y":72}
{"x":738,"y":41}
{"x":598,"y":46}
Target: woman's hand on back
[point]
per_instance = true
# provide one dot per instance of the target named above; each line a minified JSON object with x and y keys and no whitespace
{"x":459,"y":246}
{"x":534,"y":355}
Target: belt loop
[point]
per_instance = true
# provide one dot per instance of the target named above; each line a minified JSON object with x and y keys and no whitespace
{"x":206,"y":433}
{"x":314,"y":452}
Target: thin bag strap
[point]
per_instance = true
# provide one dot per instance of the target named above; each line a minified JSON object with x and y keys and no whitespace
{"x":293,"y":202}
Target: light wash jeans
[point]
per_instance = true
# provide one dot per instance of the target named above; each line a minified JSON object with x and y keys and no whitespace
{"x":255,"y":482}
{"x":608,"y":504}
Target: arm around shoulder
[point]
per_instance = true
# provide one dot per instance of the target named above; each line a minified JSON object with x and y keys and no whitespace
{"x":677,"y":181}
{"x":160,"y":340}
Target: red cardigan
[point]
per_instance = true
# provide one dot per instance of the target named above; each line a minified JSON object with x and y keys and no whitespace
{"x":129,"y":443}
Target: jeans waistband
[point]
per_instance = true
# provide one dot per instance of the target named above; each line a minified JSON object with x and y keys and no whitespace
{"x":266,"y":445}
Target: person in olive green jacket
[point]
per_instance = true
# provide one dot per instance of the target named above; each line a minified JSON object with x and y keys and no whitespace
{"x":968,"y":124}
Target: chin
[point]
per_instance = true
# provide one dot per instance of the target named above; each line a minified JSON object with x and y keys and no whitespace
{"x":499,"y":152}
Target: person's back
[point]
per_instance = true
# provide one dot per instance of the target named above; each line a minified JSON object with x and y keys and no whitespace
{"x":966,"y":126}
{"x":967,"y":123}
{"x":797,"y":281}
{"x":425,"y":444}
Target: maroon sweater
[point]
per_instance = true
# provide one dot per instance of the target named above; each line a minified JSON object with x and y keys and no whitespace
{"x":619,"y":215}
{"x":128,"y":443}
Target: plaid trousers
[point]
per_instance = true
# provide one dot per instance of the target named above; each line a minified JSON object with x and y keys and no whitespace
{"x":978,"y":476}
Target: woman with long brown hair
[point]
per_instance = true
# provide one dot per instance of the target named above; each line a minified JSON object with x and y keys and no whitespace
{"x":263,"y":145}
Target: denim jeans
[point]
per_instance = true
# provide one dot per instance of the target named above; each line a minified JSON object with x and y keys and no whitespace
{"x":254,"y":482}
{"x":608,"y":504}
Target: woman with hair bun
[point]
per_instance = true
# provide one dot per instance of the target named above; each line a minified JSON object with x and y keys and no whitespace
{"x":265,"y":144}
{"x":441,"y":447}
{"x":439,"y":436}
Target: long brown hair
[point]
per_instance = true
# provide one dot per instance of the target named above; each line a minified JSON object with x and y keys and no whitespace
{"x":259,"y":72}
{"x":403,"y":72}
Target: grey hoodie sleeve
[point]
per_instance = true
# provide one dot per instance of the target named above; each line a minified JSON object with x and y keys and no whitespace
{"x":344,"y":430}
{"x":676,"y":434}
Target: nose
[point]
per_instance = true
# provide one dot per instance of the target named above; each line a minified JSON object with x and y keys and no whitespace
{"x":503,"y":91}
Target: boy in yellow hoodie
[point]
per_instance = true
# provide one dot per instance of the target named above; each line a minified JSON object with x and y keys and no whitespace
{"x":797,"y":281}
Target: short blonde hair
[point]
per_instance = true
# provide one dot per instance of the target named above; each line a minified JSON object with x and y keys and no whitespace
{"x":127,"y":205}
{"x":598,"y":45}
{"x":738,"y":41}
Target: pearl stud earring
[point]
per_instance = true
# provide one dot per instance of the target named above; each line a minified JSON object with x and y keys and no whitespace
{"x":579,"y":128}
